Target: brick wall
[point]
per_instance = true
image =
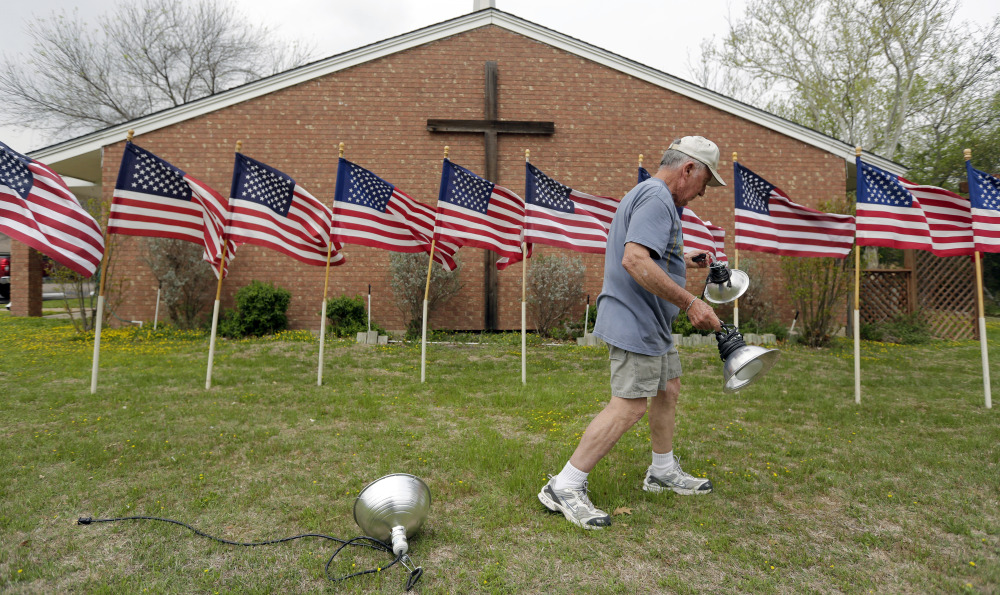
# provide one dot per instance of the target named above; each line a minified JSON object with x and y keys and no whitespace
{"x":603,"y":120}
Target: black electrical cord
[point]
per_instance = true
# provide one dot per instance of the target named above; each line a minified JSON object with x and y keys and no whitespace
{"x":360,"y":541}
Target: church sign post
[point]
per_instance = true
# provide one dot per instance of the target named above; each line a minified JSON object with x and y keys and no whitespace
{"x":490,"y":128}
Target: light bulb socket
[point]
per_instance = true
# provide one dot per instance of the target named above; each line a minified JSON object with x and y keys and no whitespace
{"x":718,"y":272}
{"x":729,"y":341}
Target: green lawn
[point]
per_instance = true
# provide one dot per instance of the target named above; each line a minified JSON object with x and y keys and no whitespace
{"x":813,"y":493}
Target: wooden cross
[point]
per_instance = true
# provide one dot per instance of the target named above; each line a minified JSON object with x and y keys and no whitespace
{"x":490,"y":128}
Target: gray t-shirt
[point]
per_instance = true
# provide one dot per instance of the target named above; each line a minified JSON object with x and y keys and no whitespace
{"x":628,"y":316}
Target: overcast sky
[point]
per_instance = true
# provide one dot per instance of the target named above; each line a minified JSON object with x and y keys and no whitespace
{"x":664,"y":34}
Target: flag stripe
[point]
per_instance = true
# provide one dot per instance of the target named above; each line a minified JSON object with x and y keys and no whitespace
{"x":557,"y":215}
{"x":269,"y":209}
{"x":896,"y":213}
{"x":363,"y":216}
{"x":768,"y":221}
{"x":47,"y":217}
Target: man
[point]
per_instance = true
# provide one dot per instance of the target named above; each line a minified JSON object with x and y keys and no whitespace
{"x":644,"y":278}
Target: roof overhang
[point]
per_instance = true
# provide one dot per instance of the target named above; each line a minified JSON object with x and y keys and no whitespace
{"x":81,"y":157}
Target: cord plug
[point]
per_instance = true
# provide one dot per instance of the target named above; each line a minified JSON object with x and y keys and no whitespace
{"x":84,"y":520}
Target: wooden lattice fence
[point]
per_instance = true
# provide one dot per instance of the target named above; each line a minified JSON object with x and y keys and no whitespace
{"x":942,"y":289}
{"x":946,"y":295}
{"x":885,"y":294}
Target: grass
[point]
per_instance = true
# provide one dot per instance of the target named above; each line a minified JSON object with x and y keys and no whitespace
{"x":813,"y":493}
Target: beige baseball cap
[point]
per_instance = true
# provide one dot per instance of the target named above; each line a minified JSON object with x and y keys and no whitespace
{"x":704,"y":151}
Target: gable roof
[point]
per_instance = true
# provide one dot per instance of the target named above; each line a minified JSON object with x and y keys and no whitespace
{"x":81,"y":157}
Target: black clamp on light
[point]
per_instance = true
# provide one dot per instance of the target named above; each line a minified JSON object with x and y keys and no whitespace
{"x":742,"y":363}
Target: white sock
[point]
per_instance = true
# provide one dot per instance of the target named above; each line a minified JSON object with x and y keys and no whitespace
{"x":662,"y":463}
{"x":569,"y":478}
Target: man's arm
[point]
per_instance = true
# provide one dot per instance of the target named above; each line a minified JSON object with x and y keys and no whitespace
{"x":639,"y":264}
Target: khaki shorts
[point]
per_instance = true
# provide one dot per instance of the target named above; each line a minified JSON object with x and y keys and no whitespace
{"x":638,"y":376}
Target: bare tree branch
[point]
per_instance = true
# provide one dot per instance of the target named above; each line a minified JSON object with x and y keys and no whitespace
{"x":147,"y":56}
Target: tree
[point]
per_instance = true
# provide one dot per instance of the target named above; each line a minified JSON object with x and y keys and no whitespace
{"x":555,"y":286}
{"x":185,"y":279}
{"x":408,"y":282}
{"x":144,"y":57}
{"x":818,"y":287}
{"x":882,"y":74}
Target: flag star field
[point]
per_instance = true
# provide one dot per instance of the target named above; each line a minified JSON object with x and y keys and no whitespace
{"x":368,"y":190}
{"x":546,"y":192}
{"x":756,"y":192}
{"x":14,"y":173}
{"x":151,"y":175}
{"x":267,"y":187}
{"x":469,"y":190}
{"x":884,"y":188}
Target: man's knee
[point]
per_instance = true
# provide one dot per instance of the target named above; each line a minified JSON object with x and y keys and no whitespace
{"x":631,"y":410}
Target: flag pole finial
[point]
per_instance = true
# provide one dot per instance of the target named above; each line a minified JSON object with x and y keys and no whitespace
{"x":340,"y":149}
{"x":968,"y":154}
{"x":734,"y":157}
{"x":527,"y":154}
{"x":640,"y":159}
{"x":130,"y":134}
{"x":239,"y":146}
{"x":857,"y":151}
{"x":447,"y":149}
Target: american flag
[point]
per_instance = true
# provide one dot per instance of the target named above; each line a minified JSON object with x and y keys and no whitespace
{"x":643,"y":175}
{"x":767,"y":221}
{"x":559,"y":216}
{"x":38,"y":209}
{"x":474,"y":212}
{"x":269,"y":209}
{"x":153,"y":198}
{"x":896,"y":213}
{"x":703,"y":236}
{"x":369,"y":211}
{"x":984,"y":194}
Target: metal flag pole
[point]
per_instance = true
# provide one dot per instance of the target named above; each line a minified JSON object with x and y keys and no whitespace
{"x":427,"y":290}
{"x":736,"y":259}
{"x":156,"y":313}
{"x":218,"y":298}
{"x":524,"y":297}
{"x":586,"y":317}
{"x":857,"y":312}
{"x":984,"y":353}
{"x":99,"y":320}
{"x":369,"y":307}
{"x":326,"y":286}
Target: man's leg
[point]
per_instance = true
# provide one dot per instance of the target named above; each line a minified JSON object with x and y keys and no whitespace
{"x":633,"y":375}
{"x":662,"y":412}
{"x":665,"y":472}
{"x":605,"y":430}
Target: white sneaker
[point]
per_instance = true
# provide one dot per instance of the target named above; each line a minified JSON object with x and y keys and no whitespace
{"x":677,"y":480}
{"x":574,"y":505}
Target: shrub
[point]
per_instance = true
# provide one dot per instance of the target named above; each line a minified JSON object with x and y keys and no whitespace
{"x":779,"y":330}
{"x":903,"y":329}
{"x":348,"y":316}
{"x":408,"y":279}
{"x":755,"y":304}
{"x":185,"y":280}
{"x":261,"y":309}
{"x":818,"y":286}
{"x":555,"y":285}
{"x":570,"y":328}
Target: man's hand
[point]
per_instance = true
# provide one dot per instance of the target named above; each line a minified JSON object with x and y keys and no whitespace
{"x":703,"y":317}
{"x":697,"y":260}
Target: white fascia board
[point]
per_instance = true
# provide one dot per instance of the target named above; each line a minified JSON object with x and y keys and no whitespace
{"x":95,"y":141}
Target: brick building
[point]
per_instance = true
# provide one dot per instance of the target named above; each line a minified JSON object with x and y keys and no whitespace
{"x":377,"y":99}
